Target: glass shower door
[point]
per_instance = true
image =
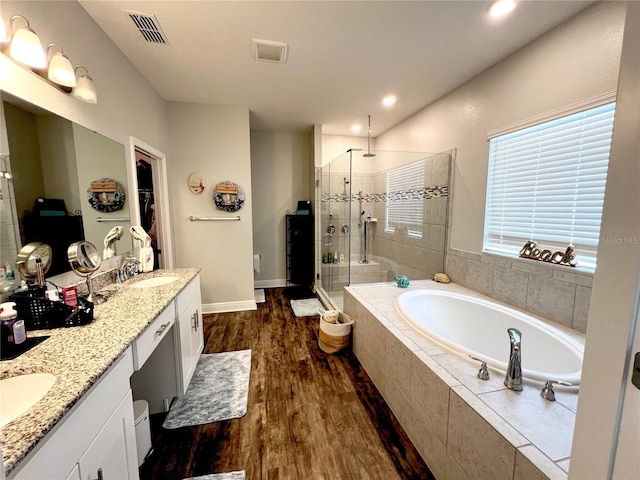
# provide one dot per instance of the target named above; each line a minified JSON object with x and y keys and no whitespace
{"x":335,"y":227}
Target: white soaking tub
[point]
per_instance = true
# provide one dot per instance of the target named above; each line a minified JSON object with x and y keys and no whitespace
{"x":466,"y":325}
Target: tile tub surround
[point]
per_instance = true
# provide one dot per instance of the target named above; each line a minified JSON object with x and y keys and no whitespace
{"x":464,"y":427}
{"x":559,"y":293}
{"x":78,"y":356}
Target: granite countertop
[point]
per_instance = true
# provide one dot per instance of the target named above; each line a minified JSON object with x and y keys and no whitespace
{"x":78,"y":356}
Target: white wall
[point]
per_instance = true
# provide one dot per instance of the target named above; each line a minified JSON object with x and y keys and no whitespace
{"x":213,"y":140}
{"x":613,"y":317}
{"x":333,"y":146}
{"x":280,"y":166}
{"x":574,"y":62}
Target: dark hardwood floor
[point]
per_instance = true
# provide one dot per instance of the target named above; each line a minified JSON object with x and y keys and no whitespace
{"x":310,"y":415}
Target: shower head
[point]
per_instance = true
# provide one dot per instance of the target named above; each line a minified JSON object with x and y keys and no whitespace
{"x":369,"y":154}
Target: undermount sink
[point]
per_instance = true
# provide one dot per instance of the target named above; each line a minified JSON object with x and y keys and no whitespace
{"x":18,"y":394}
{"x":154,"y":282}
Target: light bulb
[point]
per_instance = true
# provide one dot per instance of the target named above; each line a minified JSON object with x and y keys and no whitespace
{"x":26,"y":47}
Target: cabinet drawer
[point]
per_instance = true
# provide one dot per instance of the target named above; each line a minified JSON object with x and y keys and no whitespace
{"x":144,"y":346}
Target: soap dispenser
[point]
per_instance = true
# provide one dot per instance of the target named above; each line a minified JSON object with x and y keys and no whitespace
{"x":13,"y":330}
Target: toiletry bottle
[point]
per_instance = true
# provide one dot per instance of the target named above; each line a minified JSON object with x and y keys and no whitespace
{"x":9,"y":273}
{"x":13,"y":329}
{"x":335,"y":256}
{"x":341,"y":257}
{"x":330,"y":258}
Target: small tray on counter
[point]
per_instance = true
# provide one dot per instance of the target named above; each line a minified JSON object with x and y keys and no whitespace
{"x":41,"y":313}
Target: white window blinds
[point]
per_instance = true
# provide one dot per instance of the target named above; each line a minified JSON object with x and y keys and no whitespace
{"x":405,"y":203}
{"x":546,"y":183}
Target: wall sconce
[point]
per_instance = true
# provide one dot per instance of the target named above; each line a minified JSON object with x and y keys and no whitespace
{"x":25,"y":46}
{"x":60,"y":70}
{"x":85,"y":90}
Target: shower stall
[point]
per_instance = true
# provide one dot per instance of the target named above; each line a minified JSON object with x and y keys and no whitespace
{"x":382,"y":214}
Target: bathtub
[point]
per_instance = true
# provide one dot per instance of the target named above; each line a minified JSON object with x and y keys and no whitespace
{"x":466,"y":325}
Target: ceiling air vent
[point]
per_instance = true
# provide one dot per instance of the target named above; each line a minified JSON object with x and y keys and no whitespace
{"x":268,"y":51}
{"x":149,"y":27}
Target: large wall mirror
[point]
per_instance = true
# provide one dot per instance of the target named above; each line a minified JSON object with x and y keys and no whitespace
{"x":80,"y":174}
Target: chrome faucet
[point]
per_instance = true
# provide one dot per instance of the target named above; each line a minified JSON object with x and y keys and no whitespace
{"x":513,"y":377}
{"x":128,"y":268}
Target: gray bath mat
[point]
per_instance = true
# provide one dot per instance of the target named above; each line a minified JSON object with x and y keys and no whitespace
{"x":306,"y":307}
{"x":218,"y":391}
{"x":240,"y":475}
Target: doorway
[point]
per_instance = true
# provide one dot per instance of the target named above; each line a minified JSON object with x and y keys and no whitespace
{"x":151,"y":205}
{"x":145,"y":166}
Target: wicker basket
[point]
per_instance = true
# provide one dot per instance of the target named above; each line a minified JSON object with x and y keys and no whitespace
{"x":334,"y":337}
{"x":41,"y":313}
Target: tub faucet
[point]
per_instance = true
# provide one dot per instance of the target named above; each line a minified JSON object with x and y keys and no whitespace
{"x":513,"y":377}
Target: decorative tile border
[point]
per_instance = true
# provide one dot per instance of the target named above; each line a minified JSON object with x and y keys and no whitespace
{"x":423,"y":193}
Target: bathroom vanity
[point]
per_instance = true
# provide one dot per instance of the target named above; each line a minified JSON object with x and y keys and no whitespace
{"x":83,"y":427}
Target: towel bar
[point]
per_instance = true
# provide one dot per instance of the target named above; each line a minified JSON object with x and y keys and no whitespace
{"x":214,"y":219}
{"x":111,"y":219}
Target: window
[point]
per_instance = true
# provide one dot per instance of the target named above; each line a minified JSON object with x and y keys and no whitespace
{"x":405,"y":187}
{"x":546,"y":183}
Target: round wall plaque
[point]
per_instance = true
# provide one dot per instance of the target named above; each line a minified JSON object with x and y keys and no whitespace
{"x":197,"y":183}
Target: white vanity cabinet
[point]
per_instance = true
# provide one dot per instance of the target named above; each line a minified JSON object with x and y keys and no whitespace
{"x":190,"y":339}
{"x":167,"y":371}
{"x":98,"y":433}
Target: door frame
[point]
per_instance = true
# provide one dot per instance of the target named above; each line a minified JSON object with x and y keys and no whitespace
{"x":161,"y":197}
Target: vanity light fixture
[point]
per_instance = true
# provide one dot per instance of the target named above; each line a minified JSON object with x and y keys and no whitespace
{"x":85,"y":90}
{"x":499,"y":8}
{"x":25,"y":46}
{"x":60,"y":69}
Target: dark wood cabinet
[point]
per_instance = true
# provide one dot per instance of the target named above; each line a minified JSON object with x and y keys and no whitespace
{"x":299,"y":249}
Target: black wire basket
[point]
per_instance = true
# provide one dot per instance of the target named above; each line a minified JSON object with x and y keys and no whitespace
{"x":41,"y":313}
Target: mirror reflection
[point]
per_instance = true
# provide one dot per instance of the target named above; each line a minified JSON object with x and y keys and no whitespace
{"x":57,"y":168}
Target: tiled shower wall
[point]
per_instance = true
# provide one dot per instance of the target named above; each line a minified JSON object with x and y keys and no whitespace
{"x":557,"y":293}
{"x":390,"y":253}
{"x":8,"y":216}
{"x":418,"y":258}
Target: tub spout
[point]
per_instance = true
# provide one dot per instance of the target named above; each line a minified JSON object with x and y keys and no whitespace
{"x":513,"y":377}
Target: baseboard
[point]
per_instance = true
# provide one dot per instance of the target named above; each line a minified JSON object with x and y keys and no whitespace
{"x":229,"y":306}
{"x":278,"y":282}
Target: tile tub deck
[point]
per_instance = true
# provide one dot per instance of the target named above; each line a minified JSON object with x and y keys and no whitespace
{"x":464,"y":427}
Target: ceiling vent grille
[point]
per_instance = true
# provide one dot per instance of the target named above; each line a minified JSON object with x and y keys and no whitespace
{"x":149,"y":27}
{"x":269,"y":51}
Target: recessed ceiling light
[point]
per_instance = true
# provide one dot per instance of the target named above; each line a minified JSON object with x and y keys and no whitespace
{"x":389,"y":101}
{"x":498,"y":8}
{"x":356,"y":128}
